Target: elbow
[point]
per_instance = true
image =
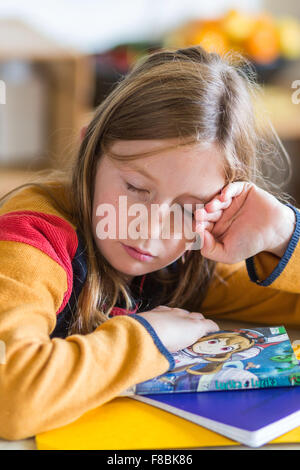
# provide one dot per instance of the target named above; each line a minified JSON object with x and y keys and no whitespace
{"x":16,"y":420}
{"x":23,"y":403}
{"x":11,"y":430}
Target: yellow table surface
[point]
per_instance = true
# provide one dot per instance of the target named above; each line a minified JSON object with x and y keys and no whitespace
{"x":125,"y":423}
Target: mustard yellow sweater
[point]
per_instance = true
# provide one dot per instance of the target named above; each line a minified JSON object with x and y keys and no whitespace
{"x":48,"y":379}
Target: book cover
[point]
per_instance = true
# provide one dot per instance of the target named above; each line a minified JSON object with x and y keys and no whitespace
{"x":251,"y":417}
{"x":230,"y":360}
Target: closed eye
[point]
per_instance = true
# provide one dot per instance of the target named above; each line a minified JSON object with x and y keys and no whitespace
{"x":134,"y":189}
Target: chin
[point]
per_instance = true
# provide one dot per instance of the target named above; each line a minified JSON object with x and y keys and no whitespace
{"x":134,"y":272}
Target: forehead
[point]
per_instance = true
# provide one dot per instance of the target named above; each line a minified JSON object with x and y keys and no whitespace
{"x":187,"y":168}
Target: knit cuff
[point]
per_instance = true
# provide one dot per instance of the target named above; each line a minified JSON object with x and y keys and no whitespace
{"x":156,"y":340}
{"x":283,"y":261}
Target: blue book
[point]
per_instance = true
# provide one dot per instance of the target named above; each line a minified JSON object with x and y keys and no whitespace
{"x":229,"y":360}
{"x":251,"y":417}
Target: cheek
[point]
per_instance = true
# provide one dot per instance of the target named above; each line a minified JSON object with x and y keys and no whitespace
{"x":172,"y":250}
{"x":178,"y":228}
{"x":105,"y":208}
{"x":178,"y":225}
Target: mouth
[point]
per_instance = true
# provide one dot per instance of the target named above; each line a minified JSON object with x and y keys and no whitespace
{"x":136,"y":253}
{"x":142,"y":251}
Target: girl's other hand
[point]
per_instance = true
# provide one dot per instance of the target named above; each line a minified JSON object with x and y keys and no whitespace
{"x":246,"y":220}
{"x":177,"y":328}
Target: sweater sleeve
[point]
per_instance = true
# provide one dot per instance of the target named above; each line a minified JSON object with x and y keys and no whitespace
{"x":263,"y":289}
{"x":46,"y":383}
{"x":266,"y":269}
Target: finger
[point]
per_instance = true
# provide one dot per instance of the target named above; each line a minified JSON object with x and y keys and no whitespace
{"x":200,"y":227}
{"x":208,"y":226}
{"x":212,"y":249}
{"x":220,"y":229}
{"x":228,"y":192}
{"x":181,"y":311}
{"x":201,"y":215}
{"x":210,"y":326}
{"x":207,"y":326}
{"x":217,"y":205}
{"x":196,"y":315}
{"x":234,"y":189}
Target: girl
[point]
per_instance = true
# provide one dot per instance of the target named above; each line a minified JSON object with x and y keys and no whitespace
{"x":84,"y":317}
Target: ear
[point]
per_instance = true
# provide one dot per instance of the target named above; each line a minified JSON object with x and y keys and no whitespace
{"x":82,"y":132}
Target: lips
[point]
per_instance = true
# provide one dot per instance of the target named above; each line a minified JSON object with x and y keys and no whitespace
{"x":141,"y":251}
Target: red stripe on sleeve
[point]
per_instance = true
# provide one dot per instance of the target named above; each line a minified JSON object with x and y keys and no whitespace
{"x":48,"y":233}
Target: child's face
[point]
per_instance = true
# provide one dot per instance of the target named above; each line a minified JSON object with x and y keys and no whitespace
{"x":186,"y":175}
{"x":213,"y":346}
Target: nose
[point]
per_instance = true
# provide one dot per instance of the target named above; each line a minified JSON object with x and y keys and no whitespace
{"x":165,"y":221}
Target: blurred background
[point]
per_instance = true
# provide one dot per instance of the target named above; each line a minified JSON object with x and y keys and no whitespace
{"x":60,"y":58}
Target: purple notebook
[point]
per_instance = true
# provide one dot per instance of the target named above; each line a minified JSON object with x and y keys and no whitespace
{"x":252,"y":417}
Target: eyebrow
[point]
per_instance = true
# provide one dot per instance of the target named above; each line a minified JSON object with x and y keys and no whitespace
{"x":143,"y":172}
{"x":147,"y":175}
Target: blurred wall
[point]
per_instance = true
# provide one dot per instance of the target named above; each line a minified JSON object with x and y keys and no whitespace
{"x":95,"y":25}
{"x":283,"y":7}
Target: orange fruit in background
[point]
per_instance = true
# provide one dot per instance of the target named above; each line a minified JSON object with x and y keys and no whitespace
{"x":237,"y":25}
{"x":263,"y":44}
{"x":211,"y":37}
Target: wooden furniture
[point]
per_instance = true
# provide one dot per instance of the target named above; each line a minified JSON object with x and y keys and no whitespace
{"x":276,"y":103}
{"x":69,"y":76}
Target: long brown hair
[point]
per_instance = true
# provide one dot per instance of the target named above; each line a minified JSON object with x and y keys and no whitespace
{"x":187,"y":94}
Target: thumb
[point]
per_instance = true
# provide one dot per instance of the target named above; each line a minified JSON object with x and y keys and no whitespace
{"x":212,"y":249}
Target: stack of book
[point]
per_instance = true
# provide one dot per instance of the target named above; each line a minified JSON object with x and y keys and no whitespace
{"x":240,"y":383}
